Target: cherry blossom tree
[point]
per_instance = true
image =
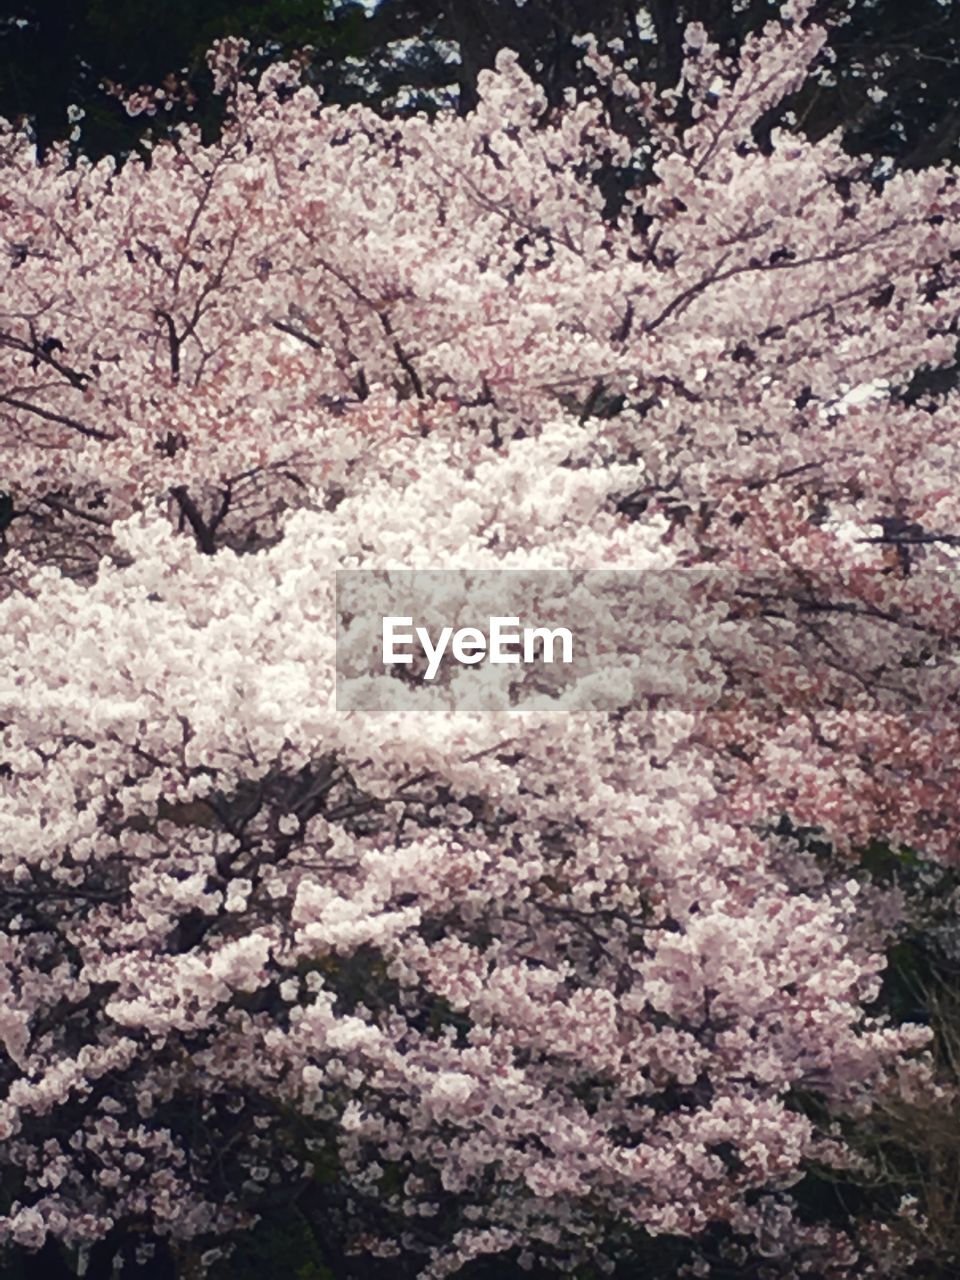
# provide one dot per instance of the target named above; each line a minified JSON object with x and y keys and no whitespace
{"x":517,"y":986}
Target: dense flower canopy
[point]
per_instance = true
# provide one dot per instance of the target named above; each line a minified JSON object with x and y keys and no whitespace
{"x":516,"y":984}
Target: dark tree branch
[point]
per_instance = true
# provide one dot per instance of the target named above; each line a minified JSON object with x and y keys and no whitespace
{"x":167,"y":318}
{"x":93,"y":433}
{"x":191,"y":512}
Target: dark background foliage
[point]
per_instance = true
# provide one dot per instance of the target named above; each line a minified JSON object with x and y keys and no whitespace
{"x":895,"y":88}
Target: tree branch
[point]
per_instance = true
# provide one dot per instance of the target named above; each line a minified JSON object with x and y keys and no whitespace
{"x":48,"y":415}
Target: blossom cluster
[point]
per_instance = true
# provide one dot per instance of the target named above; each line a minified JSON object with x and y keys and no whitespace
{"x":531,"y":985}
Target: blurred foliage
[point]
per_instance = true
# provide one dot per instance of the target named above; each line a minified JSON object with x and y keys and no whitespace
{"x":59,"y":54}
{"x":893,"y":89}
{"x":283,"y":1246}
{"x":910,"y":1139}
